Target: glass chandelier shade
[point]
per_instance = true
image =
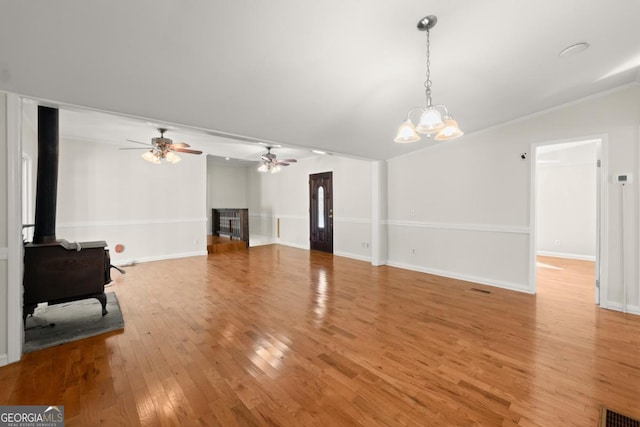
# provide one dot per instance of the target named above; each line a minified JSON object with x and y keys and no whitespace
{"x":434,"y":119}
{"x":450,"y":130}
{"x":430,"y":121}
{"x":407,"y":133}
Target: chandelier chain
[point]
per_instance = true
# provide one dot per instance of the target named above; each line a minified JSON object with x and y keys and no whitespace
{"x":427,"y":82}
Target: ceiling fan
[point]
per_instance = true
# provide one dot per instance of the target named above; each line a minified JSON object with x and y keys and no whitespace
{"x":163,"y":148}
{"x":270,"y":163}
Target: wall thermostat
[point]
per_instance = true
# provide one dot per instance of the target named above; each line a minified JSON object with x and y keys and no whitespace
{"x":624,"y":178}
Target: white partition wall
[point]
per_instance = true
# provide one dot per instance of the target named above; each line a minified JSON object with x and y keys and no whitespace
{"x":11,"y":327}
{"x":283,"y":199}
{"x":4,"y":250}
{"x":461,"y":208}
{"x":154,"y":211}
{"x":379,"y":213}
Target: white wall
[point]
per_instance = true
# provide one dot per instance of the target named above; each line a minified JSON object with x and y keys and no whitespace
{"x":155,"y":211}
{"x":226,"y":188}
{"x":285,"y":196}
{"x":464,"y":205}
{"x":566,"y":182}
{"x":3,"y":229}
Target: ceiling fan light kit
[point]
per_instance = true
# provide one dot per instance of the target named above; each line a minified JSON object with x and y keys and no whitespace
{"x":270,"y":163}
{"x":172,"y":157}
{"x":151,"y":157}
{"x":164,"y":148}
{"x":266,"y":168}
{"x":434,"y":119}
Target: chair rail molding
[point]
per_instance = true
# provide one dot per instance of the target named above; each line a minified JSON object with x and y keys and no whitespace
{"x":491,"y":228}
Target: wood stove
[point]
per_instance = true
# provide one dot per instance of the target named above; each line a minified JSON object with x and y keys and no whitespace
{"x":57,"y":271}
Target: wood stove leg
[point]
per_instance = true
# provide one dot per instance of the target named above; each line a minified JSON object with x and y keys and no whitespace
{"x":27,"y":309}
{"x":103,"y":300}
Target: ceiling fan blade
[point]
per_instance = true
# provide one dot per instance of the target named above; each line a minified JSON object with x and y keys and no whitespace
{"x":281,"y":163}
{"x":180,"y":145}
{"x":138,"y":142}
{"x":265,"y":158}
{"x":289,"y":160}
{"x":185,"y":150}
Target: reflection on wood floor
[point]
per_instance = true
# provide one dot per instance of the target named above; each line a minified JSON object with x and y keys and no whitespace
{"x":220,"y":244}
{"x":281,"y":336}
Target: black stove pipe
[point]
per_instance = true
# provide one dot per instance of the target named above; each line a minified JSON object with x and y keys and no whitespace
{"x":47,"y":180}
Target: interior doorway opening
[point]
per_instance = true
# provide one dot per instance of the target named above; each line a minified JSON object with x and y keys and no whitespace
{"x":567,"y":232}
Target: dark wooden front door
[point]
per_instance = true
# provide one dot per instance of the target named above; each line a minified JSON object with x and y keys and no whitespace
{"x":321,"y":211}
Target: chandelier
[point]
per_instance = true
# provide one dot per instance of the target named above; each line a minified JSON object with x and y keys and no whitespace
{"x":434,"y":119}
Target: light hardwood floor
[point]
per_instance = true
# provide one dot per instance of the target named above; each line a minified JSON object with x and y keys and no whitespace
{"x":281,"y":336}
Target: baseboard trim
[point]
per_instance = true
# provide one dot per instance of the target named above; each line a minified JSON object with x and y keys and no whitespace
{"x":352,"y":256}
{"x":616,"y":306}
{"x":126,"y":262}
{"x":4,"y":359}
{"x":468,"y":278}
{"x":566,"y":255}
{"x":261,"y":240}
{"x":293,"y":245}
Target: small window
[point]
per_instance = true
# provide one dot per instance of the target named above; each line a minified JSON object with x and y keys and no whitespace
{"x":320,"y":207}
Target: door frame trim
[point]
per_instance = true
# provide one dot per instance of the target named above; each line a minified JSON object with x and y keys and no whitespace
{"x":15,"y":330}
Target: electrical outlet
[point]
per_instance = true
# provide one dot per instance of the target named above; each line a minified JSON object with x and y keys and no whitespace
{"x":556,"y":242}
{"x":412,"y":212}
{"x":413,"y":251}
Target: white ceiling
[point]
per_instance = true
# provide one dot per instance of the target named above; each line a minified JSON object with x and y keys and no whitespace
{"x":93,"y":126}
{"x":334,"y":75}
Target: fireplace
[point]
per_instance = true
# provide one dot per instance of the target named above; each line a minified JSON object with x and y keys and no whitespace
{"x":57,"y":271}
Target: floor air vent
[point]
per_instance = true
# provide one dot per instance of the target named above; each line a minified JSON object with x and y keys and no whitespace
{"x":609,"y":418}
{"x":482,"y":291}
